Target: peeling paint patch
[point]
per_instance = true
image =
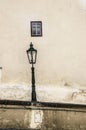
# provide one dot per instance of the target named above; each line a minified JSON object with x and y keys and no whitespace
{"x":83,"y":4}
{"x":36,"y":118}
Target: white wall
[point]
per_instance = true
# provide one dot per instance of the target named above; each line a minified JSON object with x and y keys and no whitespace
{"x":61,"y":50}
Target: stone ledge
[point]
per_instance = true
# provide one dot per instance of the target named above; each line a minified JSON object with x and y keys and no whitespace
{"x":42,"y":104}
{"x":17,"y":129}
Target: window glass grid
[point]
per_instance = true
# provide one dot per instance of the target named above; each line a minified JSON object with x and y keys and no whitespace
{"x":36,"y":28}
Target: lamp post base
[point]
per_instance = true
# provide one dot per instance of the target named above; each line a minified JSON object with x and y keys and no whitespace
{"x":33,"y":96}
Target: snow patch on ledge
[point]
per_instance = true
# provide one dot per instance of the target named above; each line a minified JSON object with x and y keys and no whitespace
{"x":48,"y":93}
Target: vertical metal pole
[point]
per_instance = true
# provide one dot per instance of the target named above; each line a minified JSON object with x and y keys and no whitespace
{"x":33,"y":86}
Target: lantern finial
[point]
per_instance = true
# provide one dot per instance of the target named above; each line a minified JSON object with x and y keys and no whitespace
{"x":31,"y":45}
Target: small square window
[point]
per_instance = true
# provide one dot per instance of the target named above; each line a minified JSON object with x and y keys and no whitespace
{"x":36,"y":28}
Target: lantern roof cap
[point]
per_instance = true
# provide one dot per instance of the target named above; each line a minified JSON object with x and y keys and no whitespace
{"x":31,"y":45}
{"x":31,"y":48}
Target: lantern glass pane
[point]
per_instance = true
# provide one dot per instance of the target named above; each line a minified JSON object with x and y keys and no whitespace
{"x":29,"y":56}
{"x":34,"y":56}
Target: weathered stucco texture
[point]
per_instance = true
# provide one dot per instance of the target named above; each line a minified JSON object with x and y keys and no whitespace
{"x":61,"y":49}
{"x":39,"y":118}
{"x":71,"y":94}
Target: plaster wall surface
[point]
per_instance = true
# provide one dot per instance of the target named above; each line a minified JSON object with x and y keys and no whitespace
{"x":61,"y":49}
{"x":61,"y":93}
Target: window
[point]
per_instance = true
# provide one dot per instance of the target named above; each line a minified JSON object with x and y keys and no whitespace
{"x":36,"y":28}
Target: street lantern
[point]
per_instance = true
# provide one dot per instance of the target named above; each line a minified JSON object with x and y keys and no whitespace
{"x":32,"y":55}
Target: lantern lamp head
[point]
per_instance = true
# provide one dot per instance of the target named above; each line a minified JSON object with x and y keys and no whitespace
{"x":32,"y":54}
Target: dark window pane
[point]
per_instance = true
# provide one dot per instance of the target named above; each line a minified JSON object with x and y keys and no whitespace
{"x":36,"y":28}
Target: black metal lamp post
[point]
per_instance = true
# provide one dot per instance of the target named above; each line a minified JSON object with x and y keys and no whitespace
{"x":32,"y":55}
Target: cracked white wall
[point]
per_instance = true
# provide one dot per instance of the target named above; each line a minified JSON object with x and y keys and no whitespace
{"x":60,"y":93}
